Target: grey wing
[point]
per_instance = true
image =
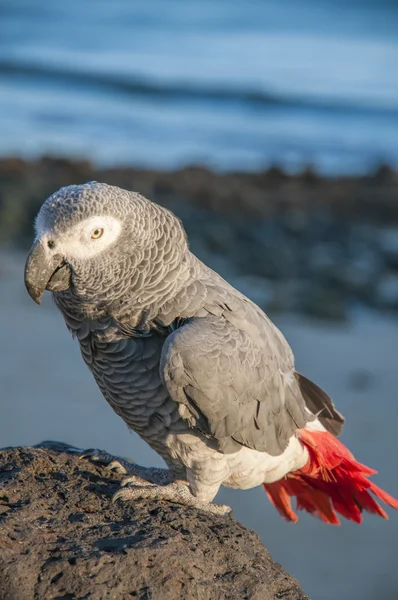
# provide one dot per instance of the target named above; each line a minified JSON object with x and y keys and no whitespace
{"x":235,"y":384}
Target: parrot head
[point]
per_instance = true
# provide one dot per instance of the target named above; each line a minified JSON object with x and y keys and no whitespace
{"x":100,"y":245}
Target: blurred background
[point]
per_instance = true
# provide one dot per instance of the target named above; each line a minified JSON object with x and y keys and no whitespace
{"x":271,"y":128}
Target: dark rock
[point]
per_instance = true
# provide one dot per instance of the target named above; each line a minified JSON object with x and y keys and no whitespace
{"x":255,"y":288}
{"x":387,"y":291}
{"x":61,"y":537}
{"x":388,"y":241}
{"x":323,"y":302}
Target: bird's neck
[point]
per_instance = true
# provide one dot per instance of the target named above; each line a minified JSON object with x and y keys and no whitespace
{"x":154,"y":304}
{"x":158,"y":304}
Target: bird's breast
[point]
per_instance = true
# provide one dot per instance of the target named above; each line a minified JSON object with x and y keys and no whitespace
{"x":127,"y":373}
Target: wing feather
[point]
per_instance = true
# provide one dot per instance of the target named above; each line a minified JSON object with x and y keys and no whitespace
{"x":233,"y":372}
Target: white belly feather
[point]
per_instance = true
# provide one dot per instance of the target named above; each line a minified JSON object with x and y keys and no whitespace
{"x":207,"y":468}
{"x":250,"y":468}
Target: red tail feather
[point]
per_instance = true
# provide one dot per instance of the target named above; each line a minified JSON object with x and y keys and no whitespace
{"x":331,"y":481}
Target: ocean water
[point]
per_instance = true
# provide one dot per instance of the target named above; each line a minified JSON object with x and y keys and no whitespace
{"x":235,"y":84}
{"x":48,"y":393}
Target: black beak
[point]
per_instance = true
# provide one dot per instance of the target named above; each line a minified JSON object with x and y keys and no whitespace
{"x":45,"y":271}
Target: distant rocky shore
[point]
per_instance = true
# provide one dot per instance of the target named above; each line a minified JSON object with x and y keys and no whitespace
{"x":301,"y":243}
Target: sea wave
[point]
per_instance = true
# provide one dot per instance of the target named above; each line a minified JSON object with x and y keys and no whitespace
{"x":138,"y":85}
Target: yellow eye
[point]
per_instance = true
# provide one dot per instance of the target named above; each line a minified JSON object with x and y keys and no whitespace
{"x":97,"y":233}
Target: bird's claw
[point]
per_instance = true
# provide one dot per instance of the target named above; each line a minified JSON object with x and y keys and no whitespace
{"x":104,"y":458}
{"x":124,"y":495}
{"x":96,"y":455}
{"x":150,"y":483}
{"x":178,"y":492}
{"x":133,"y":480}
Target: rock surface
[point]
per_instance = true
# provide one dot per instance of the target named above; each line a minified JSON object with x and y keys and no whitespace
{"x":61,"y":538}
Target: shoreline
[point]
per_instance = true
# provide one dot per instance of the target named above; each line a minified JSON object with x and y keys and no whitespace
{"x":261,"y":193}
{"x":303,"y":243}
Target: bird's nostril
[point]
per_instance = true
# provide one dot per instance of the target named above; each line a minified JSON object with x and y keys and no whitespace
{"x":51,"y":244}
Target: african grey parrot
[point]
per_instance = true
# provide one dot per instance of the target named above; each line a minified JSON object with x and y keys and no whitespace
{"x":188,"y":362}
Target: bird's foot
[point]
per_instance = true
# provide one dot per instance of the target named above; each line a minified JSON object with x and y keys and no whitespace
{"x":113,"y":463}
{"x":124,"y":466}
{"x":150,"y":483}
{"x":178,"y":491}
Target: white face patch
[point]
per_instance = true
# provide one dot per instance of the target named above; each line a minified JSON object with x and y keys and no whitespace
{"x":39,"y":226}
{"x":82,"y":241}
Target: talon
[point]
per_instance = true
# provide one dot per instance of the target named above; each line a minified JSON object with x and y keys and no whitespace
{"x":134,"y":481}
{"x":117,"y":496}
{"x":104,"y":458}
{"x":117,"y":466}
{"x":124,"y":495}
{"x":227,"y":509}
{"x":89,"y":453}
{"x":96,"y":455}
